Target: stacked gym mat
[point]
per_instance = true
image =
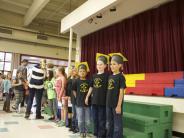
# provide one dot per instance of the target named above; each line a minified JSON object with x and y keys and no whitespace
{"x":145,"y":120}
{"x":156,"y":84}
{"x":177,"y":91}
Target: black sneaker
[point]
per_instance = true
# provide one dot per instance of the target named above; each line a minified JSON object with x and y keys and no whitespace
{"x":39,"y":117}
{"x":51,"y":118}
{"x":71,"y":129}
{"x":13,"y":107}
{"x":26,"y":116}
{"x":75,"y":131}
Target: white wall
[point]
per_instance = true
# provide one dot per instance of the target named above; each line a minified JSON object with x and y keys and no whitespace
{"x":30,"y":49}
{"x":26,"y":42}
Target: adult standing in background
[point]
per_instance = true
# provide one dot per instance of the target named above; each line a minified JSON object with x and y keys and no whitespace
{"x":1,"y":86}
{"x":23,"y":69}
{"x":36,"y":88}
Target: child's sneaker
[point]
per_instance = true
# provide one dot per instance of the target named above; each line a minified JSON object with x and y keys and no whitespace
{"x":13,"y":107}
{"x":51,"y":118}
{"x":82,"y":135}
{"x":75,"y":131}
{"x":71,"y":129}
{"x":88,"y":135}
{"x":56,"y":120}
{"x":61,"y":123}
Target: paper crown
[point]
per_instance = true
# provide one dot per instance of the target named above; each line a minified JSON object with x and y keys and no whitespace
{"x":102,"y":57}
{"x":82,"y":65}
{"x":118,"y":57}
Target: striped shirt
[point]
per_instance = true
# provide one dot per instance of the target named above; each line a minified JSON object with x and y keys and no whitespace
{"x":37,"y":78}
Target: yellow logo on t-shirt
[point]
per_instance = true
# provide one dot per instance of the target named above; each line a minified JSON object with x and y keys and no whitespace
{"x":84,"y":87}
{"x":110,"y":84}
{"x":97,"y":83}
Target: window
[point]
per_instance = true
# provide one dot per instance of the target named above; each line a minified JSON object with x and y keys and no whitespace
{"x":5,"y":62}
{"x":33,"y":60}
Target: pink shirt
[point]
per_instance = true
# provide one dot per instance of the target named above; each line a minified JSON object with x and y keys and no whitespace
{"x":58,"y":86}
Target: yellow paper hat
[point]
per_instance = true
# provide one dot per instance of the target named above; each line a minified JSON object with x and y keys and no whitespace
{"x":83,"y":65}
{"x":104,"y":58}
{"x":117,"y":56}
{"x":43,"y":63}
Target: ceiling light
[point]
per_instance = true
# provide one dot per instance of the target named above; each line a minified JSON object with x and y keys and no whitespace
{"x":90,"y":20}
{"x":113,"y":9}
{"x":99,"y":15}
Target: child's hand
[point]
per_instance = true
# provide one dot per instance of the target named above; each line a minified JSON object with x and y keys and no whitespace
{"x":86,"y":101}
{"x":69,"y":98}
{"x":60,"y":99}
{"x":118,"y":110}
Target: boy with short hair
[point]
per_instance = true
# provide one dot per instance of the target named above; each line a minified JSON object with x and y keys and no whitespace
{"x":98,"y":89}
{"x":115,"y":97}
{"x":80,"y":89}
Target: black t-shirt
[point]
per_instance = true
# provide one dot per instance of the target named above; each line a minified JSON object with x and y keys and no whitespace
{"x":69,"y":90}
{"x":99,"y":82}
{"x":81,"y":87}
{"x":69,"y":87}
{"x":115,"y":83}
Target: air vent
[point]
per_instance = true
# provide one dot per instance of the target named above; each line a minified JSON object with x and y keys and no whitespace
{"x":5,"y":31}
{"x":42,"y":37}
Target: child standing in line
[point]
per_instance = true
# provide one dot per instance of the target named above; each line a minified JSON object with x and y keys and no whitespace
{"x":18,"y":85}
{"x":60,"y":86}
{"x":51,"y":94}
{"x":71,"y":79}
{"x":7,"y":89}
{"x":1,"y":86}
{"x":115,"y":97}
{"x":98,"y":89}
{"x":80,"y":89}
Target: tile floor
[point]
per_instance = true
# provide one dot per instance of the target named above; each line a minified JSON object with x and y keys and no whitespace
{"x":13,"y":125}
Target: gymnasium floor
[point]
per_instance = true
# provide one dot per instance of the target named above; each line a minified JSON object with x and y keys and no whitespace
{"x":13,"y":125}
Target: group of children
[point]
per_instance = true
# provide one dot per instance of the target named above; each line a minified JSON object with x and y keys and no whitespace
{"x":100,"y":97}
{"x":104,"y":94}
{"x":10,"y":89}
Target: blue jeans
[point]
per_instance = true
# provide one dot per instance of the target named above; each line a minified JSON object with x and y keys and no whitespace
{"x":53,"y":106}
{"x":114,"y":124}
{"x":99,"y":119}
{"x":83,"y":116}
{"x":74,"y":117}
{"x":6,"y":106}
{"x":38,"y":93}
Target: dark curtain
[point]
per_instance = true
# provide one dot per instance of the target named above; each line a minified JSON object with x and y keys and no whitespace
{"x":152,"y":41}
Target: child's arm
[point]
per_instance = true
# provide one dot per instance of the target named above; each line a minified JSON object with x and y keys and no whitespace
{"x":74,"y":88}
{"x":74,"y":93}
{"x":120,"y":101}
{"x":88,"y":95}
{"x":14,"y":84}
{"x":62,"y":88}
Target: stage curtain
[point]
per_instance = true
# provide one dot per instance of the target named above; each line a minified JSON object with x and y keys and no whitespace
{"x":153,"y":41}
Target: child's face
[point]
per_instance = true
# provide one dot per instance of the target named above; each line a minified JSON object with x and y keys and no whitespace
{"x":9,"y":75}
{"x":82,"y":73}
{"x":47,"y":74}
{"x":100,"y":66}
{"x":115,"y":67}
{"x":74,"y":72}
{"x":19,"y":74}
{"x":57,"y":73}
{"x":25,"y":64}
